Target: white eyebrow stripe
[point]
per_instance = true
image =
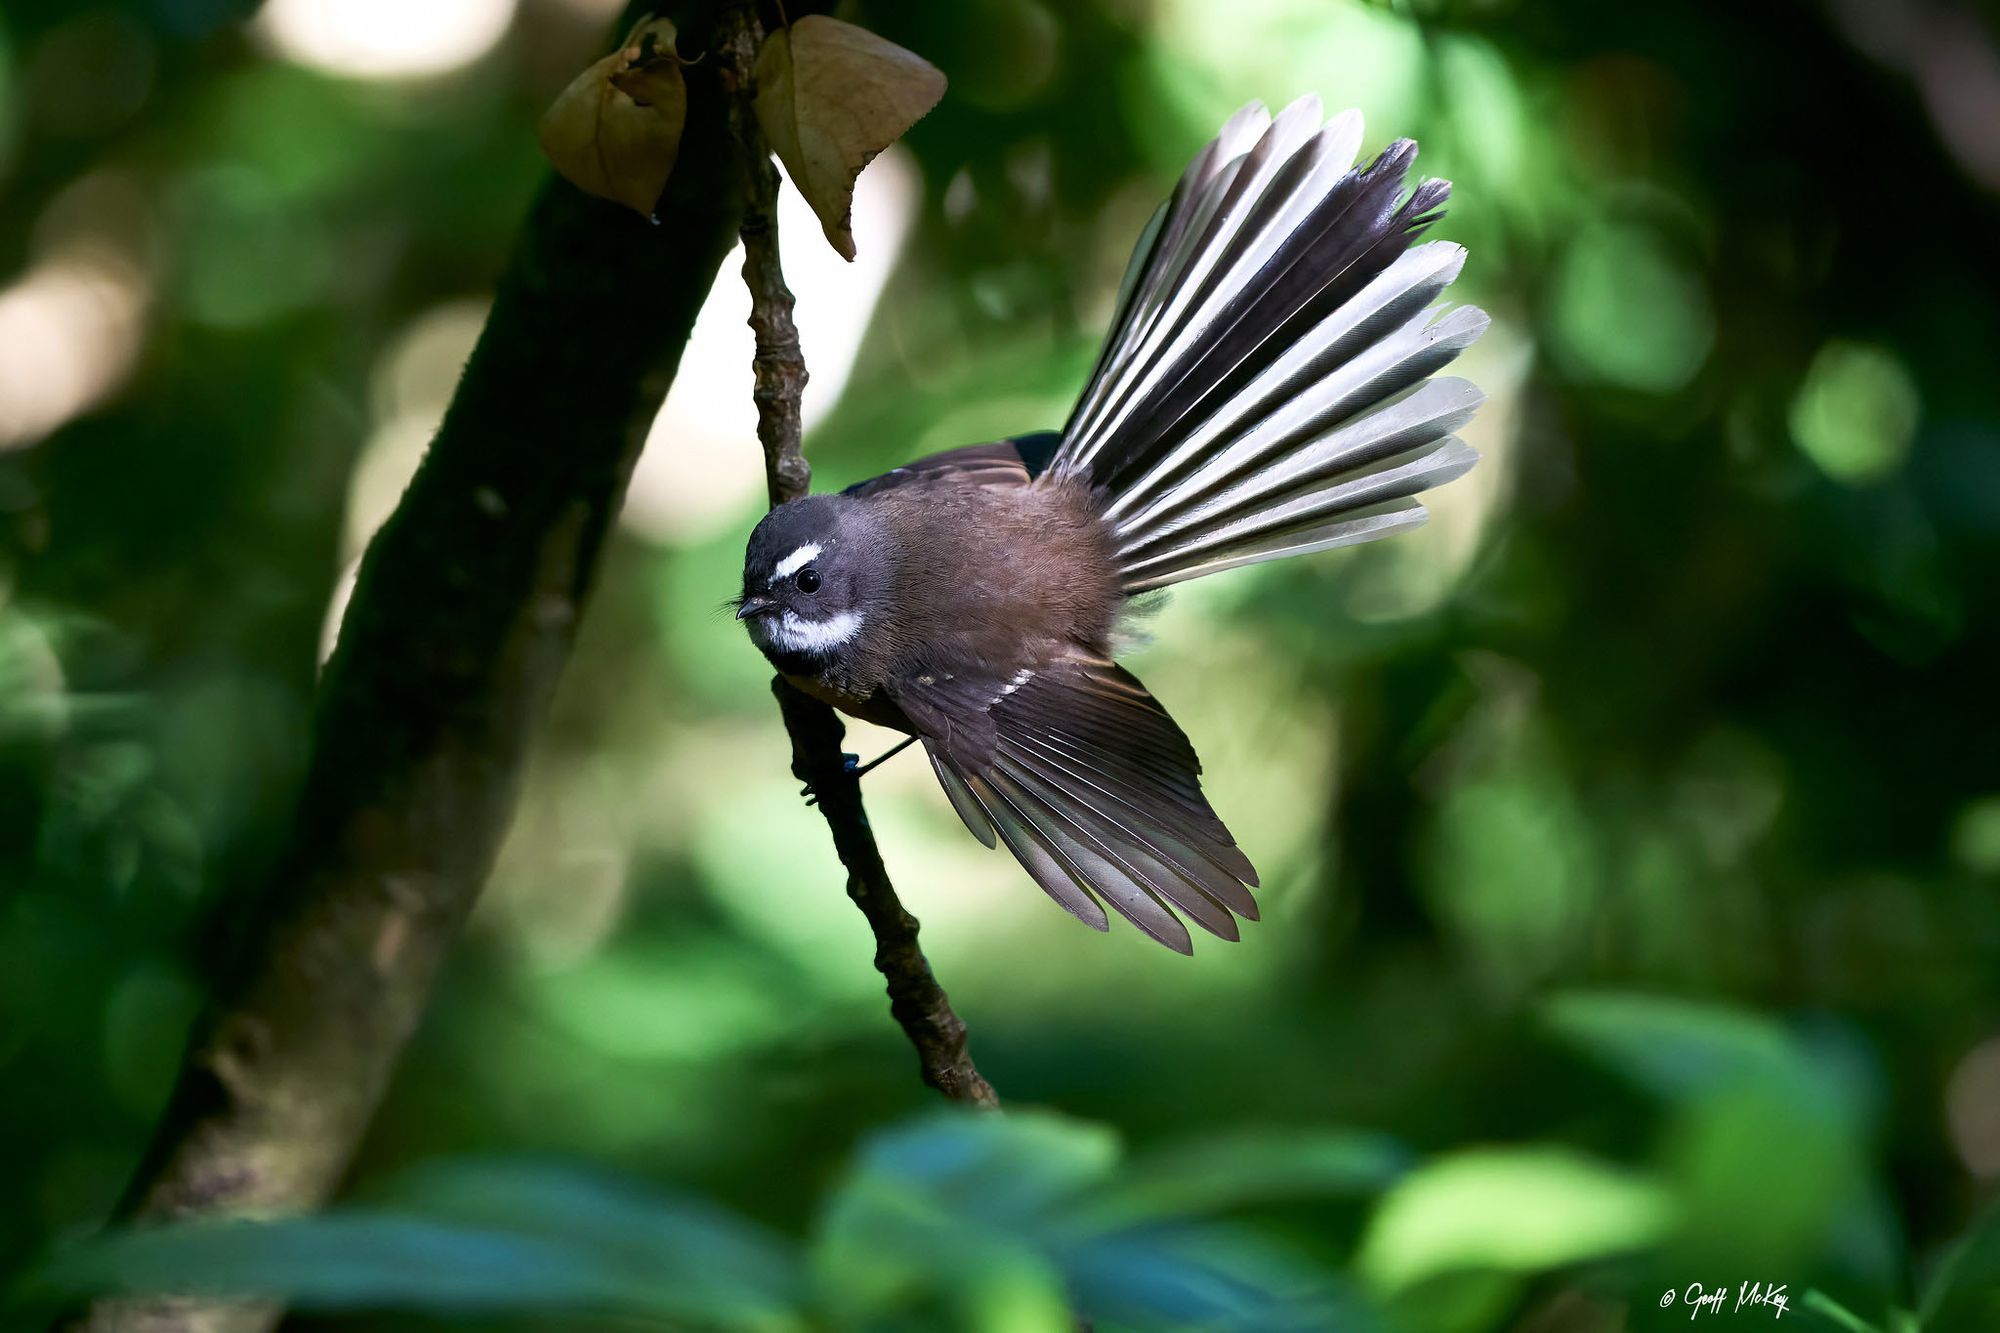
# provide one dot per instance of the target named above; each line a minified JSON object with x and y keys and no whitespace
{"x":805,"y":554}
{"x":796,"y":634}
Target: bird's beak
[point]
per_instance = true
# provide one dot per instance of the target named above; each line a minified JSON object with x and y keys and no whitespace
{"x":752,"y":606}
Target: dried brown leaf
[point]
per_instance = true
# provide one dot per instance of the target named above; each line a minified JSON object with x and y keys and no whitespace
{"x":616,"y":130}
{"x":830,"y":96}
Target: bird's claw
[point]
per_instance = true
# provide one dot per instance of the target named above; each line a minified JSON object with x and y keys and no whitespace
{"x":849,"y":764}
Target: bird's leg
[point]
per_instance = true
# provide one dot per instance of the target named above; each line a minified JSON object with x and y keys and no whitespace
{"x":880,"y":759}
{"x":852,"y":764}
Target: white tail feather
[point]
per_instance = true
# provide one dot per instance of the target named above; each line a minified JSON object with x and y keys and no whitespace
{"x":1299,"y":385}
{"x":1266,"y":388}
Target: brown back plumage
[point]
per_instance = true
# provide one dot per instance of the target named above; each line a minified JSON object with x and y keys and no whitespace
{"x":1001,"y":566}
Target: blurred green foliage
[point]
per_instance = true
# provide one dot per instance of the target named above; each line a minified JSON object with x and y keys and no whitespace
{"x":1631,"y":833}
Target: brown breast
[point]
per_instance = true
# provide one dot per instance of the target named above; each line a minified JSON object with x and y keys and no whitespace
{"x":869,"y":707}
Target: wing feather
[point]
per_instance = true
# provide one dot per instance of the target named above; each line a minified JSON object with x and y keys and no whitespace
{"x":1131,"y":848}
{"x":1091,"y":865}
{"x":1090,"y":784}
{"x":1031,"y":848}
{"x":1220,"y":871}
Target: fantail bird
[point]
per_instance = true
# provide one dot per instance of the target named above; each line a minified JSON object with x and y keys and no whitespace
{"x":1265,"y":391}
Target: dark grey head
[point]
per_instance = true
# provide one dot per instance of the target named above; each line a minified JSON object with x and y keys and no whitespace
{"x":815,"y":571}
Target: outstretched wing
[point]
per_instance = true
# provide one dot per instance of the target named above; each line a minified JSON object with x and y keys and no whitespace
{"x":1092,"y":787}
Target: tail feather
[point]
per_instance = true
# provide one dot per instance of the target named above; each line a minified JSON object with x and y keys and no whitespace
{"x":1159,"y":261}
{"x":1313,"y":382}
{"x":1238,"y":215}
{"x":1266,"y":304}
{"x":1263,"y":392}
{"x":1375,"y":504}
{"x":1414,"y":423}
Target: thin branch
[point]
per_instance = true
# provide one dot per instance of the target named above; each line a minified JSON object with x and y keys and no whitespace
{"x":460,"y":623}
{"x":916,"y":1000}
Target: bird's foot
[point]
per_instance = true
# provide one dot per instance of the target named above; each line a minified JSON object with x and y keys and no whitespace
{"x":849,"y":763}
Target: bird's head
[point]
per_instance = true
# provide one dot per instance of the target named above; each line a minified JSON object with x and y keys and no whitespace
{"x":814,"y":572}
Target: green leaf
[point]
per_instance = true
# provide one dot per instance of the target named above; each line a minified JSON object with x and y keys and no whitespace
{"x":467,"y":1237}
{"x":1824,"y":1308}
{"x":1765,"y":1146}
{"x":1963,"y":1296}
{"x":1761,"y":1182}
{"x":1514,"y":1209}
{"x":1000,"y":1170}
{"x":883,"y":1247}
{"x":1253,"y":1167}
{"x":953,"y":1205}
{"x":1206,"y":1277}
{"x":709,"y":1255}
{"x":1674,"y":1048}
{"x":946,"y":1212}
{"x":350,"y":1260}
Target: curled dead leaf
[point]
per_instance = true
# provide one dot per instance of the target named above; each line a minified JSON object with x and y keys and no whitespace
{"x":830,"y":96}
{"x":616,"y":130}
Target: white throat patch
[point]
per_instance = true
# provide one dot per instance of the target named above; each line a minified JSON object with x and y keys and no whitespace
{"x":793,"y":633}
{"x":791,"y":563}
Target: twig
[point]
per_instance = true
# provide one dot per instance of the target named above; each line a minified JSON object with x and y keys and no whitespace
{"x":916,"y":1000}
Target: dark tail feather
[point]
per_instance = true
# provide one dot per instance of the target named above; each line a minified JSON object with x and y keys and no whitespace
{"x":1263,"y":392}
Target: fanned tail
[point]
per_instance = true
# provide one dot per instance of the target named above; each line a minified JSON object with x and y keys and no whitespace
{"x":1266,"y":387}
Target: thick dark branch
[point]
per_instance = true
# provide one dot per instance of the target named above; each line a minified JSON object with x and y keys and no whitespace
{"x":461,"y":621}
{"x":916,"y":1000}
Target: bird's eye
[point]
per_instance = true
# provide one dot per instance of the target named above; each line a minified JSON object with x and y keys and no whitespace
{"x":808,"y":579}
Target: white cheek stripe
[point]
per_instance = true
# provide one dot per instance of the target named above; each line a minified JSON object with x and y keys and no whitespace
{"x":791,"y":563}
{"x":796,"y":634}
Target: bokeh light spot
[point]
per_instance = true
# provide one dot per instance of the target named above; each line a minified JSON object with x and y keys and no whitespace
{"x":1627,"y":313}
{"x":33,"y":702}
{"x":1972,"y":1107}
{"x":1856,"y":413}
{"x":1975,"y":836}
{"x":384,"y":39}
{"x":72,"y":330}
{"x":1210,"y":59}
